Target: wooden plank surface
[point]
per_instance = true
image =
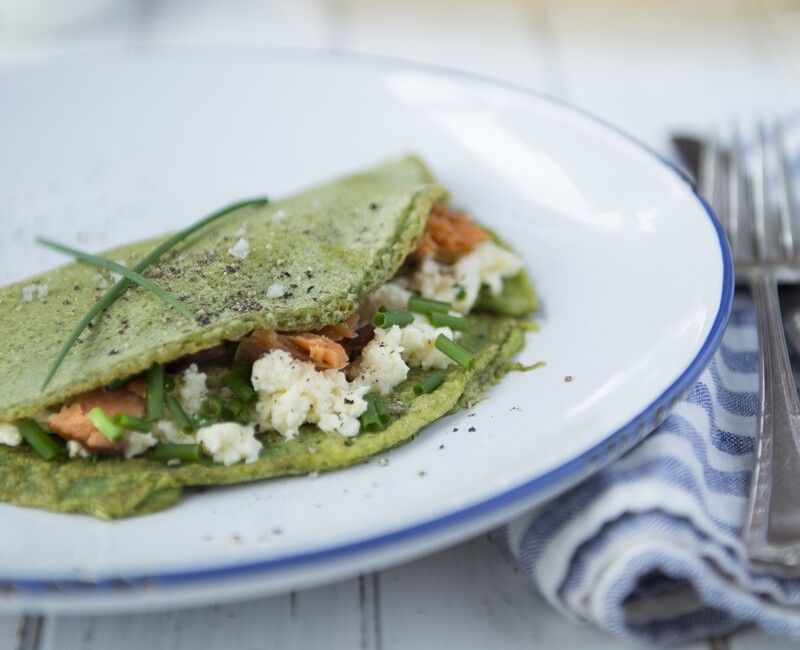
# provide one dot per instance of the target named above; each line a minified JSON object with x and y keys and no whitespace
{"x":647,"y":66}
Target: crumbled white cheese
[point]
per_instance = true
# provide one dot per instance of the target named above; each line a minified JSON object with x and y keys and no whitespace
{"x":279,"y":215}
{"x":192,"y":390}
{"x":390,"y":295}
{"x":230,"y":443}
{"x":77,"y":450}
{"x":419,"y":344}
{"x":9,"y":435}
{"x":488,"y":264}
{"x":292,"y":392}
{"x":167,"y":431}
{"x":240,"y":249}
{"x":381,"y":366}
{"x":275,"y":290}
{"x":137,"y":443}
{"x":241,"y":232}
{"x":31,"y":290}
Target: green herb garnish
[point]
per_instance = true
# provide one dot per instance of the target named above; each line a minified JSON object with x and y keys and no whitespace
{"x":37,"y":438}
{"x":114,"y":292}
{"x":239,"y":386}
{"x":425,"y":305}
{"x":155,"y":392}
{"x":431,"y":383}
{"x":438,"y":319}
{"x":389,"y":318}
{"x":179,"y":415}
{"x":169,"y":451}
{"x":460,"y":355}
{"x":377,"y":415}
{"x":104,"y":424}
{"x":131,"y":423}
{"x":124,"y":271}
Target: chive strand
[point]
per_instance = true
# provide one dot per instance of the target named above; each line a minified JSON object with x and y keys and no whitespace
{"x":114,"y":292}
{"x":104,"y":424}
{"x":460,"y":355}
{"x":239,"y":386}
{"x":181,"y":419}
{"x":389,"y":318}
{"x":155,"y":392}
{"x":425,"y":305}
{"x":190,"y":453}
{"x":430,"y":383}
{"x":131,"y":423}
{"x":439,"y":319}
{"x":124,"y":271}
{"x":37,"y":438}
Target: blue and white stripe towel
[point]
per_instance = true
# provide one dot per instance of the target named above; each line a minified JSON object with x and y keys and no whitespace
{"x":649,"y":548}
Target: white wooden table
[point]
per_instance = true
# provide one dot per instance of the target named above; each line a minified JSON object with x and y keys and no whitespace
{"x":648,"y":66}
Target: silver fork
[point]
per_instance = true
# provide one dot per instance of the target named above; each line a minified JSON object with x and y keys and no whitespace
{"x":757,"y":216}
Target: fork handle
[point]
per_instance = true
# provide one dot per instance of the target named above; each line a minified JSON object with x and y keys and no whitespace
{"x":772,"y":528}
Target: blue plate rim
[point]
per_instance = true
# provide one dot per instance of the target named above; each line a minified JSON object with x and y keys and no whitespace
{"x":593,"y":459}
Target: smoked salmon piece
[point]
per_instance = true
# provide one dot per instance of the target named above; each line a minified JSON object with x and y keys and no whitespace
{"x":322,"y":351}
{"x":72,"y":423}
{"x":449,"y":234}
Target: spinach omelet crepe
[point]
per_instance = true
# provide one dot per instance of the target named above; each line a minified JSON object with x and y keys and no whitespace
{"x":325,"y":328}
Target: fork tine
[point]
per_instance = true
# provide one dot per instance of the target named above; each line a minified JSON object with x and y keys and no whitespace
{"x":758,"y":186}
{"x":734,"y":195}
{"x":785,"y":199}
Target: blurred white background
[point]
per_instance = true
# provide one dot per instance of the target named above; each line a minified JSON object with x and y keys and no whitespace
{"x":644,"y":64}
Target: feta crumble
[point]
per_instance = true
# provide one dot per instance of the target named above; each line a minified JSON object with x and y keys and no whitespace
{"x":193,"y":390}
{"x":488,"y":264}
{"x":381,"y":366}
{"x":292,"y":392}
{"x":275,"y":290}
{"x":117,"y":276}
{"x":9,"y":435}
{"x":419,"y":344}
{"x":230,"y":443}
{"x":31,"y":290}
{"x":137,"y":443}
{"x":77,"y":450}
{"x":279,"y":215}
{"x":390,"y":295}
{"x":240,"y":249}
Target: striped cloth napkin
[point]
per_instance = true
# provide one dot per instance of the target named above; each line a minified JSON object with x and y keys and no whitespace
{"x":649,"y":548}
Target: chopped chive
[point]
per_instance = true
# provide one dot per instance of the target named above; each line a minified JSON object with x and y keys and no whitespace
{"x":131,"y":423}
{"x":382,"y":410}
{"x":430,"y":383}
{"x":211,"y":408}
{"x":104,"y":424}
{"x":169,"y":383}
{"x":240,"y":386}
{"x":181,"y":419}
{"x":460,"y":355}
{"x":37,"y":438}
{"x":124,"y":271}
{"x":235,"y":405}
{"x":370,"y":420}
{"x":439,"y":319}
{"x":155,"y":392}
{"x":114,"y":292}
{"x":389,"y":318}
{"x":171,"y":451}
{"x":424,"y":305}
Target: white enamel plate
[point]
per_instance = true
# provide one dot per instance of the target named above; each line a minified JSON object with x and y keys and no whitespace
{"x":634,"y":277}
